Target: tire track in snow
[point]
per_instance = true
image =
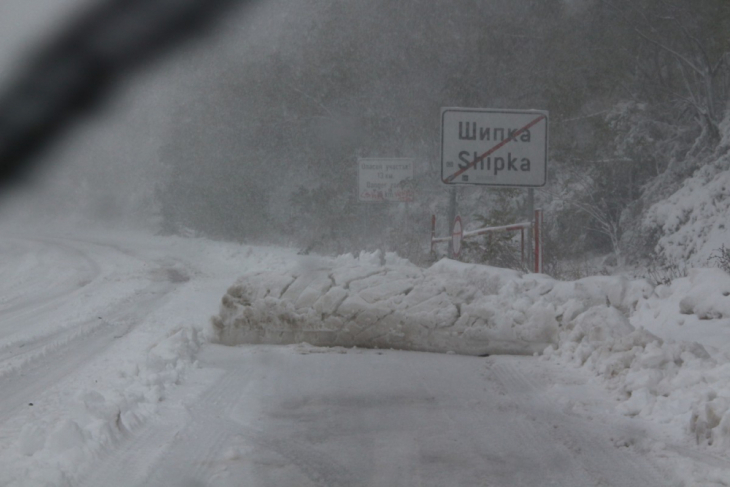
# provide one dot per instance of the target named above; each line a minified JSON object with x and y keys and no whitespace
{"x":40,"y":359}
{"x":143,"y":448}
{"x":483,"y":434}
{"x":208,"y":433}
{"x":319,"y":468}
{"x":212,"y":432}
{"x":38,"y":292}
{"x":31,"y":348}
{"x":471,"y":427}
{"x":190,"y":449}
{"x":50,"y":361}
{"x":589,"y":444}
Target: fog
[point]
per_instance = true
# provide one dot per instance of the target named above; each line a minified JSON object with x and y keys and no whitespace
{"x":251,"y":130}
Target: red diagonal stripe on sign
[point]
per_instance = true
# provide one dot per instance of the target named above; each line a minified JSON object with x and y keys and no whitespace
{"x":495,"y":148}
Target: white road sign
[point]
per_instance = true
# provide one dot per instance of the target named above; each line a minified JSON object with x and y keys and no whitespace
{"x":385,"y":179}
{"x":494,"y":147}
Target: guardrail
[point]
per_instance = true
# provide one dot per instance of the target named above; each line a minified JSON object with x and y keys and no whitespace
{"x":458,"y":234}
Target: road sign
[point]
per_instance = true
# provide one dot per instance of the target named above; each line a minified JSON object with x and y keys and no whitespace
{"x":456,"y":236}
{"x":385,"y":179}
{"x":494,"y":147}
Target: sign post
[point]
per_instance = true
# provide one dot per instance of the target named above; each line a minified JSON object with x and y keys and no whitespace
{"x":538,"y":241}
{"x":500,"y":148}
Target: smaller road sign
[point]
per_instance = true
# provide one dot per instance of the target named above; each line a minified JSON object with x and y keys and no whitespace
{"x":385,"y":179}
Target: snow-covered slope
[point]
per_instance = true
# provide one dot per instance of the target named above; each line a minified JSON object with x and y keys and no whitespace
{"x":693,"y":222}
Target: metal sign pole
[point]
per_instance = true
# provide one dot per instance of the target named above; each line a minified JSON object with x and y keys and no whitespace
{"x":538,"y":241}
{"x":452,"y":218}
{"x":530,"y":235}
{"x":433,"y":232}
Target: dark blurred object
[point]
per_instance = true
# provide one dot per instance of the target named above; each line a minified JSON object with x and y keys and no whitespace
{"x":81,"y":63}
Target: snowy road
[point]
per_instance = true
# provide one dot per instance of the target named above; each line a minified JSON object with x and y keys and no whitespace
{"x":79,"y":317}
{"x":103,"y":384}
{"x":46,"y":334}
{"x":303,"y":416}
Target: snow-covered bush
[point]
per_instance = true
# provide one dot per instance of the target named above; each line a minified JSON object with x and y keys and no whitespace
{"x":663,"y":274}
{"x":721,"y":258}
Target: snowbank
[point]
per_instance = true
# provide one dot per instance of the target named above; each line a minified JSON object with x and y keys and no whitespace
{"x":356,"y":302}
{"x":666,"y":359}
{"x":669,"y":382}
{"x":464,"y":308}
{"x":52,"y":449}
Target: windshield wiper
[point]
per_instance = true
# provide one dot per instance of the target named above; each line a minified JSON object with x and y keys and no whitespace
{"x":80,"y":64}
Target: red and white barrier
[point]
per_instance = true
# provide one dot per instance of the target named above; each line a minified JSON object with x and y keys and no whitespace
{"x":537,"y":229}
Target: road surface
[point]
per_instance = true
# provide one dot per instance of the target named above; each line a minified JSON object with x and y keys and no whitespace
{"x":297,"y":416}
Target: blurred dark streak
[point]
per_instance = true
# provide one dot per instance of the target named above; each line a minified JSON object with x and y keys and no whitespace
{"x":79,"y":66}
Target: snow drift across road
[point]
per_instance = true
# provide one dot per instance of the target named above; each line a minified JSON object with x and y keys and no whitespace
{"x":355,"y":301}
{"x":351,"y":301}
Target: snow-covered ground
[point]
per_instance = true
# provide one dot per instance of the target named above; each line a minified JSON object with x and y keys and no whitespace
{"x":94,"y":331}
{"x":692,"y":221}
{"x":113,"y":374}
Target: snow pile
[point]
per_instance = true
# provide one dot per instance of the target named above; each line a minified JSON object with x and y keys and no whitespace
{"x":668,"y":382}
{"x":671,"y":380}
{"x":706,"y":294}
{"x":451,"y":306}
{"x":351,"y":301}
{"x":693,"y":308}
{"x":52,"y":450}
